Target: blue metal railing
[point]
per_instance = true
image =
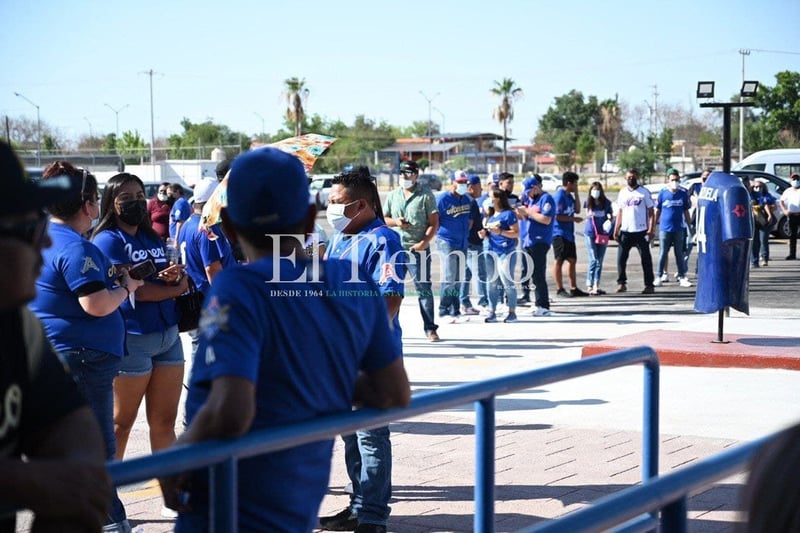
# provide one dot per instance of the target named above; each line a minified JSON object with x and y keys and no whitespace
{"x":221,"y":456}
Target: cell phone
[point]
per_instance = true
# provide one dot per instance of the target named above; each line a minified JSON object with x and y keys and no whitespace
{"x":142,"y":270}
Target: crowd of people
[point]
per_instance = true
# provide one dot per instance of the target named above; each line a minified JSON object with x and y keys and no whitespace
{"x":83,"y":325}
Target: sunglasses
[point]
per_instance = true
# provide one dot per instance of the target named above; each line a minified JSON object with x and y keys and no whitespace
{"x":31,"y":232}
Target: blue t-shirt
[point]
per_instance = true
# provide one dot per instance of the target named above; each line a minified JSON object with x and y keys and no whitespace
{"x":498,"y":243}
{"x":724,"y":230}
{"x":378,"y":251}
{"x":124,"y":249}
{"x":70,"y":264}
{"x":301,"y":338}
{"x":672,"y":206}
{"x":181,"y":210}
{"x":539,"y":233}
{"x":198,"y":251}
{"x":596,"y":218}
{"x":477,"y":224}
{"x":565,"y":205}
{"x":454,"y":213}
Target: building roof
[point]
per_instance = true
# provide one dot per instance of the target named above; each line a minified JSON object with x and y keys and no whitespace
{"x":420,"y":147}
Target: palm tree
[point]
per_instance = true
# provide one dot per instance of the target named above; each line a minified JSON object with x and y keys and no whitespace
{"x":504,"y":113}
{"x":609,"y":123}
{"x":296,"y":95}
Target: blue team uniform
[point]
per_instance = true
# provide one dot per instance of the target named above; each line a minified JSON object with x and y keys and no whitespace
{"x":198,"y":251}
{"x":541,"y":233}
{"x":724,"y":230}
{"x":180,"y":212}
{"x":565,"y":205}
{"x":454,"y":213}
{"x":124,"y":249}
{"x":672,"y":206}
{"x":302,"y":340}
{"x":70,"y":264}
{"x":497,"y":243}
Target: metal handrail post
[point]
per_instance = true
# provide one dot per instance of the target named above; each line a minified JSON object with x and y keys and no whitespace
{"x":673,"y":516}
{"x":484,"y":465}
{"x":222,"y":479}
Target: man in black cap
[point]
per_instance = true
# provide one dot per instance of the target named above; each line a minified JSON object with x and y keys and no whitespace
{"x":63,"y":479}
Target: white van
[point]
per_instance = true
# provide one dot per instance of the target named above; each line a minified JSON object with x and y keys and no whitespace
{"x":782,"y":162}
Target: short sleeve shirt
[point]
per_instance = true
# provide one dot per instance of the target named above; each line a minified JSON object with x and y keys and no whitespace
{"x":454,"y":213}
{"x":498,"y":243}
{"x":673,"y":206}
{"x":565,"y":205}
{"x":634,"y":204}
{"x":416,"y":209}
{"x":539,"y":233}
{"x":181,"y":210}
{"x":198,"y":251}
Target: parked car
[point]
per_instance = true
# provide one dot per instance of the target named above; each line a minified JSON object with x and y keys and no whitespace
{"x":34,"y":173}
{"x":775,"y":186}
{"x":550,"y":182}
{"x":320,"y":188}
{"x":781,"y":162}
{"x":431,"y":181}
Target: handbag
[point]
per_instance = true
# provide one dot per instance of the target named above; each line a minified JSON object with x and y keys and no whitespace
{"x":189,"y":306}
{"x":599,"y":238}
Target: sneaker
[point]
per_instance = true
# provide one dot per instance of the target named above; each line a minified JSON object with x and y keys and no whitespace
{"x":592,"y":291}
{"x":344,"y":520}
{"x":433,"y":337}
{"x":469,"y":311}
{"x":676,"y":276}
{"x":119,"y":527}
{"x":348,"y":488}
{"x":598,"y":291}
{"x":684,"y":282}
{"x":511,"y":317}
{"x":649,"y":290}
{"x":460,"y":319}
{"x":447,"y":319}
{"x":524,"y":301}
{"x":665,"y":278}
{"x":621,"y":287}
{"x":563,"y":293}
{"x":542,"y":311}
{"x":166,"y":512}
{"x":577,"y":292}
{"x":790,"y":257}
{"x":657,"y":282}
{"x":764,"y":262}
{"x":491,"y":318}
{"x":370,"y":528}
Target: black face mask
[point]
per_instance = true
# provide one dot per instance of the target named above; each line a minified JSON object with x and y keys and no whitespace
{"x":170,"y":199}
{"x":133,"y":212}
{"x":633,"y":183}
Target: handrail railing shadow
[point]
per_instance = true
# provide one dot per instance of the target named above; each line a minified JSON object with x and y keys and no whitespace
{"x":221,"y":456}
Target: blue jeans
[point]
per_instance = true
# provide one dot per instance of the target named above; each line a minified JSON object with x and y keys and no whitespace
{"x":596,"y":253}
{"x":761,"y":243}
{"x":538,"y":253}
{"x":419,"y":268}
{"x":667,"y":239}
{"x":453,"y":260}
{"x":368,"y":457}
{"x":94,"y":372}
{"x":500,"y":276}
{"x":476,"y":263}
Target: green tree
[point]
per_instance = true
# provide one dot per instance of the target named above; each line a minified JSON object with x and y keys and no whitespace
{"x":508,"y":92}
{"x":780,"y":107}
{"x":131,"y":144}
{"x":640,"y":158}
{"x":565,"y":122}
{"x":296,"y":94}
{"x":198,"y":139}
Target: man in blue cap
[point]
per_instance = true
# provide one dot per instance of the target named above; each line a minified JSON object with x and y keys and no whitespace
{"x":263,"y":359}
{"x":540,"y":211}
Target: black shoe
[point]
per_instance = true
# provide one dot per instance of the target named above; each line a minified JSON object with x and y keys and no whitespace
{"x":344,"y":520}
{"x":577,"y":292}
{"x":563,"y":293}
{"x":649,"y":290}
{"x":790,"y":257}
{"x":370,"y":528}
{"x":524,"y":301}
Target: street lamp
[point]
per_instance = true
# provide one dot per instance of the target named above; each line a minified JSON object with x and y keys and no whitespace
{"x":90,"y":127}
{"x":442,"y":114}
{"x":116,"y":116}
{"x":262,"y":121}
{"x":38,"y":130}
{"x":430,"y":101}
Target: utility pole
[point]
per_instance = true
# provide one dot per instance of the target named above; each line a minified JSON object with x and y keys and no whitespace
{"x":116,"y":121}
{"x":430,"y":101}
{"x":90,"y":127}
{"x":744,"y":52}
{"x":655,"y":109}
{"x":152,"y":124}
{"x":38,"y":130}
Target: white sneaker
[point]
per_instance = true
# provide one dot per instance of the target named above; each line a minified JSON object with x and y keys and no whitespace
{"x":541,"y":311}
{"x":460,"y":319}
{"x":447,"y":319}
{"x":665,"y":278}
{"x":166,"y":512}
{"x":657,"y":282}
{"x":684,"y":282}
{"x":676,"y":276}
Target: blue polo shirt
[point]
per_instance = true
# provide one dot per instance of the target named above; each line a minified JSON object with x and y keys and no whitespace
{"x":198,"y":251}
{"x":672,"y":206}
{"x":454,"y":213}
{"x":539,"y":233}
{"x":181,"y":210}
{"x":565,"y":205}
{"x":301,"y":340}
{"x":70,"y":264}
{"x":124,"y":249}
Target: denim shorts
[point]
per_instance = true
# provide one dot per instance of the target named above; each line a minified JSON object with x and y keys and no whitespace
{"x":162,"y":348}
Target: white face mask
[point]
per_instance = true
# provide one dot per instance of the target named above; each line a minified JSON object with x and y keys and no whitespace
{"x":796,"y":184}
{"x":461,"y":189}
{"x":163,"y":197}
{"x":336,"y":218}
{"x":408,"y":184}
{"x":595,"y":194}
{"x":673,"y":185}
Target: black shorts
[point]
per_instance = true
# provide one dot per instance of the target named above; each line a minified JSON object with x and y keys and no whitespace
{"x":564,"y":249}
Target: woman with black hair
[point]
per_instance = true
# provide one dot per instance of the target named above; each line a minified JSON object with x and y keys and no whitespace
{"x":598,"y":226}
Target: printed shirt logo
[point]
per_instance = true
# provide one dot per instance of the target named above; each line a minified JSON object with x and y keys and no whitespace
{"x":739,"y":210}
{"x":387,"y":273}
{"x":89,"y":264}
{"x":214,"y":318}
{"x":546,"y":208}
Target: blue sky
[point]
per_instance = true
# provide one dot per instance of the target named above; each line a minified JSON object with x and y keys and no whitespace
{"x":226,"y":61}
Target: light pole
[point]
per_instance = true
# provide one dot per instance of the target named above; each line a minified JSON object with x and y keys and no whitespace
{"x":116,"y":118}
{"x":262,"y":122}
{"x":744,"y":52}
{"x":38,"y":130}
{"x":428,"y":134}
{"x":90,"y":127}
{"x":442,"y":114}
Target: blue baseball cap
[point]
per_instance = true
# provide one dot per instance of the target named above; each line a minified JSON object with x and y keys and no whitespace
{"x":529,"y":182}
{"x":474,"y":180}
{"x":459,"y":176}
{"x":267,"y":190}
